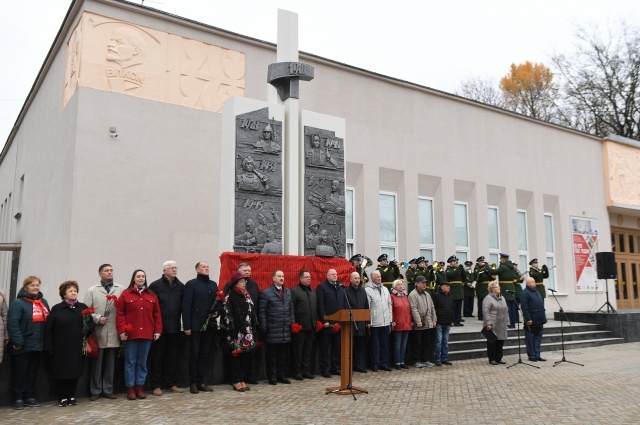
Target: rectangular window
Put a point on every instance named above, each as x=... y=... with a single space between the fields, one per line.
x=427 y=237
x=492 y=225
x=523 y=241
x=462 y=230
x=551 y=252
x=388 y=224
x=349 y=208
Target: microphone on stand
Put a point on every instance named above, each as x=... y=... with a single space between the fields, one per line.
x=355 y=324
x=552 y=290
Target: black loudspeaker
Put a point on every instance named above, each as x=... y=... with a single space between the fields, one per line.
x=606 y=265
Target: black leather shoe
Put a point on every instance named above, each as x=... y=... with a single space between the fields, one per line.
x=493 y=362
x=252 y=381
x=404 y=366
x=272 y=381
x=283 y=380
x=308 y=376
x=203 y=387
x=459 y=324
x=326 y=375
x=374 y=369
x=462 y=320
x=335 y=372
x=447 y=363
x=398 y=367
x=540 y=359
x=359 y=369
x=385 y=368
x=531 y=359
x=298 y=377
x=501 y=362
x=193 y=388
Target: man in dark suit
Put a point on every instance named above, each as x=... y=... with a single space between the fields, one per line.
x=305 y=308
x=357 y=297
x=331 y=298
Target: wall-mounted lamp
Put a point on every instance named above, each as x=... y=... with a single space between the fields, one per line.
x=113 y=132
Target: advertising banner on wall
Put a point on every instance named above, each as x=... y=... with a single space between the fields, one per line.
x=585 y=243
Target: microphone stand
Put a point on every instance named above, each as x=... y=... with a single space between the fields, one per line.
x=355 y=325
x=562 y=314
x=519 y=346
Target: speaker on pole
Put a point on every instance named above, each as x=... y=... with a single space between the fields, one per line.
x=606 y=265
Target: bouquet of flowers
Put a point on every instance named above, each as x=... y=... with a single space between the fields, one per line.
x=336 y=327
x=219 y=298
x=86 y=330
x=295 y=328
x=127 y=328
x=319 y=326
x=112 y=302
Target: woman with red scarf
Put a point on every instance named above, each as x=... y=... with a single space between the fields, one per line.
x=27 y=317
x=139 y=322
x=239 y=319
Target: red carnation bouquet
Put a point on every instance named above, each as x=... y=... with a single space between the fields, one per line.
x=336 y=328
x=296 y=327
x=86 y=320
x=220 y=297
x=319 y=326
x=127 y=328
x=112 y=302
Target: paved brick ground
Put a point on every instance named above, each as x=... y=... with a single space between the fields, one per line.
x=605 y=391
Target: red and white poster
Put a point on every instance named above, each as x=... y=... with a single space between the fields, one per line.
x=585 y=243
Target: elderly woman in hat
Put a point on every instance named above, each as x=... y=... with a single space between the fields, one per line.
x=495 y=315
x=240 y=319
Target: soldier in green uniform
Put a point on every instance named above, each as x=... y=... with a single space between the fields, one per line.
x=421 y=270
x=469 y=291
x=388 y=271
x=439 y=274
x=456 y=276
x=410 y=275
x=539 y=275
x=356 y=261
x=517 y=282
x=506 y=275
x=482 y=278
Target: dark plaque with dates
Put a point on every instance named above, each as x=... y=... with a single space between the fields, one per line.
x=324 y=200
x=258 y=211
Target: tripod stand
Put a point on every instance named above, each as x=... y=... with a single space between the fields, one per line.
x=562 y=314
x=610 y=308
x=519 y=350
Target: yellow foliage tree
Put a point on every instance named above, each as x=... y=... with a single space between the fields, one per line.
x=529 y=89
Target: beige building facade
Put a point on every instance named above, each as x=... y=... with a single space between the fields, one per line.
x=116 y=158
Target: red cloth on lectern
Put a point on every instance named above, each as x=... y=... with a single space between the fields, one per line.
x=263 y=266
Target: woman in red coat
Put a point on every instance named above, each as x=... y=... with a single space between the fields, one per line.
x=139 y=323
x=400 y=322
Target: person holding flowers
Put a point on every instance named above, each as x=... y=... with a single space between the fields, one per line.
x=240 y=319
x=103 y=297
x=139 y=322
x=64 y=335
x=277 y=321
x=199 y=322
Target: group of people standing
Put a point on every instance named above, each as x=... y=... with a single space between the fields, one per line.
x=144 y=318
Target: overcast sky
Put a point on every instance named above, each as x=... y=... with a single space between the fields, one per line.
x=432 y=43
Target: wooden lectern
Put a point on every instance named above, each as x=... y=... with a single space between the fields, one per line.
x=346 y=370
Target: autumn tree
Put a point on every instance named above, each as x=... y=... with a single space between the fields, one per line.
x=529 y=89
x=600 y=82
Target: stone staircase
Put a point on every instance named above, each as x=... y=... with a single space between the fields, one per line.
x=470 y=344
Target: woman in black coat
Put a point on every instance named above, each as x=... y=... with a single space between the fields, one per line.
x=64 y=341
x=239 y=319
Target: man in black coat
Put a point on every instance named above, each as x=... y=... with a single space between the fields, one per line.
x=331 y=298
x=253 y=359
x=443 y=304
x=357 y=297
x=276 y=316
x=198 y=297
x=532 y=305
x=165 y=351
x=305 y=308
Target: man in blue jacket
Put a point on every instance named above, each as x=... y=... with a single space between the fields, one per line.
x=532 y=306
x=198 y=298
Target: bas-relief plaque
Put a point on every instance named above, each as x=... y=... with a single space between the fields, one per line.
x=258 y=178
x=324 y=193
x=112 y=55
x=624 y=176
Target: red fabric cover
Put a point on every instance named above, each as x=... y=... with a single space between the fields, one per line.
x=263 y=266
